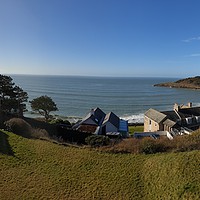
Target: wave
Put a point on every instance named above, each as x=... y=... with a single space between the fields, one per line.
x=138 y=118
x=196 y=104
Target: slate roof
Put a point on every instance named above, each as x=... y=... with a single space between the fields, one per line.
x=169 y=123
x=89 y=116
x=183 y=113
x=155 y=115
x=189 y=112
x=172 y=115
x=113 y=119
x=97 y=115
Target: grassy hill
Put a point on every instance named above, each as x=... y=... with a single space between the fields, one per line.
x=190 y=83
x=36 y=169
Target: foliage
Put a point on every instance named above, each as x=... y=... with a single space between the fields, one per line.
x=12 y=97
x=149 y=145
x=97 y=140
x=23 y=128
x=44 y=105
x=60 y=121
x=38 y=169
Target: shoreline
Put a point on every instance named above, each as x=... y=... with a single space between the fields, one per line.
x=133 y=120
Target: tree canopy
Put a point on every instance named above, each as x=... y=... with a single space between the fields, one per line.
x=44 y=105
x=12 y=97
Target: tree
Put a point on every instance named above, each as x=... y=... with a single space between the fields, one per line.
x=12 y=97
x=44 y=105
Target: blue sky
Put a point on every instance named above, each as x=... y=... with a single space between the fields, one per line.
x=157 y=38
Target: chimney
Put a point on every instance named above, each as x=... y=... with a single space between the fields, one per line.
x=189 y=105
x=176 y=107
x=92 y=111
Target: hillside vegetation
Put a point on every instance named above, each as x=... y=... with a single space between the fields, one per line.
x=37 y=169
x=190 y=83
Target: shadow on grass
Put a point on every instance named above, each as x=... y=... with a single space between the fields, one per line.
x=5 y=147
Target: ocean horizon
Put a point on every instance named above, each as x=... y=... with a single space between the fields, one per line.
x=128 y=97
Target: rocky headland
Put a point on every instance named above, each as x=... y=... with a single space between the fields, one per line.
x=190 y=83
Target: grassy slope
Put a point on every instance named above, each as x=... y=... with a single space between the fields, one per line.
x=35 y=169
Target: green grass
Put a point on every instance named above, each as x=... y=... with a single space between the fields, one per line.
x=133 y=129
x=36 y=169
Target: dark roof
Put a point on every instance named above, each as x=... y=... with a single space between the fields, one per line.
x=89 y=116
x=189 y=112
x=172 y=115
x=155 y=115
x=99 y=114
x=183 y=113
x=112 y=118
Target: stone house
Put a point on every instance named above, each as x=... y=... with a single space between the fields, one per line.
x=182 y=119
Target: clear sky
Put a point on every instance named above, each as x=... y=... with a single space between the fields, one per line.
x=157 y=38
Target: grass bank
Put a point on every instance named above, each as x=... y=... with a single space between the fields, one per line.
x=36 y=169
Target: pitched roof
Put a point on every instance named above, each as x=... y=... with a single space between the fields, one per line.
x=99 y=114
x=188 y=112
x=183 y=113
x=172 y=115
x=89 y=116
x=155 y=115
x=112 y=118
x=169 y=123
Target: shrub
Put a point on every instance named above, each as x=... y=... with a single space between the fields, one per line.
x=97 y=140
x=19 y=126
x=60 y=121
x=162 y=144
x=39 y=133
x=24 y=129
x=55 y=121
x=149 y=146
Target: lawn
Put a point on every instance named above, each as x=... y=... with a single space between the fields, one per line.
x=37 y=169
x=137 y=128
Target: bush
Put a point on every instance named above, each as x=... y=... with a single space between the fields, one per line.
x=149 y=146
x=19 y=126
x=60 y=121
x=97 y=140
x=24 y=129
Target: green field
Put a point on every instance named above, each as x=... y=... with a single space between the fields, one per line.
x=133 y=129
x=37 y=169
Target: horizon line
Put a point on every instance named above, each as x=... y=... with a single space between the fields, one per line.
x=95 y=76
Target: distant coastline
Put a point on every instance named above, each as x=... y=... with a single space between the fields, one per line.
x=188 y=83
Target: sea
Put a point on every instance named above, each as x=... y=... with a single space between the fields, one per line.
x=127 y=97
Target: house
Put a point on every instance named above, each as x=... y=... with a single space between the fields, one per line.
x=97 y=122
x=182 y=119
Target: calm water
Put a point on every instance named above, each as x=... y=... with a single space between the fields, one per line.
x=127 y=97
